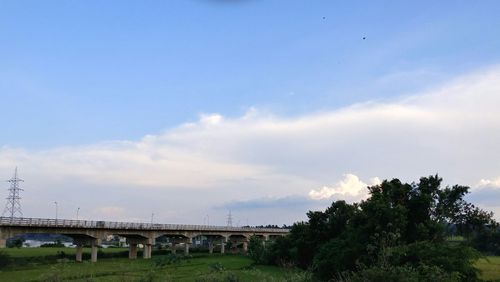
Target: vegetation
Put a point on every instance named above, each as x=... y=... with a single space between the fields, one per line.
x=398 y=234
x=200 y=267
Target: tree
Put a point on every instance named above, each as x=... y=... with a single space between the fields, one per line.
x=256 y=249
x=400 y=225
x=16 y=243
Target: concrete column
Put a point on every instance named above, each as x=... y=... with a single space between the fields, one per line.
x=3 y=243
x=210 y=247
x=145 y=251
x=187 y=245
x=79 y=252
x=93 y=254
x=223 y=245
x=245 y=246
x=173 y=248
x=132 y=251
x=150 y=250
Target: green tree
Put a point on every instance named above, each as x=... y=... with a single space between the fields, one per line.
x=256 y=249
x=398 y=225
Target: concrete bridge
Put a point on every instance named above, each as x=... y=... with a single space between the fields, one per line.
x=91 y=233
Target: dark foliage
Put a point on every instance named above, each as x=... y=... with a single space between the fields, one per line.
x=399 y=231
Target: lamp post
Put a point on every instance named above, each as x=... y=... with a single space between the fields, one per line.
x=77 y=212
x=152 y=215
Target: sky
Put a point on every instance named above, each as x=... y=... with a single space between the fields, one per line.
x=188 y=109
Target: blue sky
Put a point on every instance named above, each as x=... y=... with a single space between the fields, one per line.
x=257 y=103
x=86 y=71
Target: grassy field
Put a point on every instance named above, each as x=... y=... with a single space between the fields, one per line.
x=200 y=267
x=490 y=268
x=39 y=252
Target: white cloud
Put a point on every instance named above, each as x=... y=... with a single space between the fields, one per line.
x=453 y=130
x=350 y=187
x=488 y=183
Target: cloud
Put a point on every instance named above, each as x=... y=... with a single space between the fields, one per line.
x=289 y=202
x=453 y=130
x=487 y=183
x=350 y=187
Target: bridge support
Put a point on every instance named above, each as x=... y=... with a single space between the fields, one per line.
x=82 y=240
x=210 y=246
x=3 y=243
x=146 y=254
x=173 y=247
x=187 y=244
x=79 y=252
x=245 y=246
x=134 y=240
x=223 y=245
x=93 y=251
x=132 y=251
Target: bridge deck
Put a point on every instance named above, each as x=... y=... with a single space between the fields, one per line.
x=70 y=223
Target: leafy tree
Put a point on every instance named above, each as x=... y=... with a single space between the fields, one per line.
x=15 y=243
x=401 y=227
x=256 y=249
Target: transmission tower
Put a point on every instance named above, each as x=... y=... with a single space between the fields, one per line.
x=13 y=206
x=229 y=219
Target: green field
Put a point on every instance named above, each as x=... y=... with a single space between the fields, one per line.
x=490 y=268
x=200 y=267
x=38 y=252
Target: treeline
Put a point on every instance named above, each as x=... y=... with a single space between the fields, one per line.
x=398 y=234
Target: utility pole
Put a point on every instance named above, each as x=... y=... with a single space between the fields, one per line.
x=13 y=206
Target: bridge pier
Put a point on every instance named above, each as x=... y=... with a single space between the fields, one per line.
x=173 y=247
x=132 y=251
x=146 y=254
x=79 y=252
x=82 y=240
x=3 y=243
x=223 y=245
x=133 y=240
x=245 y=246
x=93 y=251
x=210 y=246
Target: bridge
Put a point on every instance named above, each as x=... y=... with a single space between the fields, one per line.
x=91 y=233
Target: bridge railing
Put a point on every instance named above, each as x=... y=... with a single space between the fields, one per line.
x=70 y=223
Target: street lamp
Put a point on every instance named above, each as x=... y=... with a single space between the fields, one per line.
x=152 y=215
x=77 y=212
x=56 y=210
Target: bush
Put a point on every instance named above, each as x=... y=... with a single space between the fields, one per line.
x=399 y=274
x=5 y=259
x=256 y=250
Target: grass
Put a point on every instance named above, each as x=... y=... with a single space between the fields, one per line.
x=200 y=267
x=41 y=252
x=490 y=268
